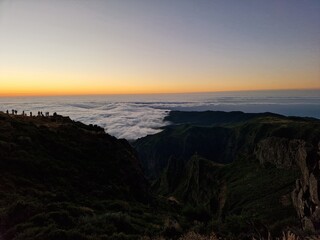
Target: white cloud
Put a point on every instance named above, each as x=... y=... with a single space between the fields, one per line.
x=132 y=117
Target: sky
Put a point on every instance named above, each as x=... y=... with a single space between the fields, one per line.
x=162 y=46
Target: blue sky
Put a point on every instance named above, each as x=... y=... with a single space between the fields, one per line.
x=143 y=46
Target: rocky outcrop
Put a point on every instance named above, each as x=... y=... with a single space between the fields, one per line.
x=306 y=193
x=262 y=156
x=291 y=153
x=282 y=152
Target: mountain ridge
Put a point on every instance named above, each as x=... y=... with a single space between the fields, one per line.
x=61 y=179
x=244 y=178
x=269 y=144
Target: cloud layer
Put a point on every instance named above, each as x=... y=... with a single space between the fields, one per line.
x=132 y=117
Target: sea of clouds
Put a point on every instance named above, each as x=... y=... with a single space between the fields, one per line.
x=135 y=116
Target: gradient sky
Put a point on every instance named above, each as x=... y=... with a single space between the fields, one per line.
x=156 y=46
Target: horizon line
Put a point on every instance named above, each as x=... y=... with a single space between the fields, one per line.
x=152 y=93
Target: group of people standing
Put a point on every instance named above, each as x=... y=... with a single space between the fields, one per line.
x=40 y=113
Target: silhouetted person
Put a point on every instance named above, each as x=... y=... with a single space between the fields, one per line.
x=23 y=113
x=54 y=114
x=16 y=112
x=41 y=114
x=12 y=112
x=38 y=114
x=7 y=111
x=30 y=114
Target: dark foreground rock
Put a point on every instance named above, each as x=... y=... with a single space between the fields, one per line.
x=241 y=176
x=61 y=179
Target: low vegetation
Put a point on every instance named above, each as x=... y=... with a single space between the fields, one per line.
x=62 y=180
x=211 y=164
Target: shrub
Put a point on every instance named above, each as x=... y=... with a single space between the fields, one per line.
x=121 y=221
x=18 y=212
x=61 y=218
x=66 y=235
x=196 y=236
x=198 y=213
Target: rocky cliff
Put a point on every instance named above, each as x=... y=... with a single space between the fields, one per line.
x=282 y=152
x=182 y=142
x=289 y=153
x=259 y=160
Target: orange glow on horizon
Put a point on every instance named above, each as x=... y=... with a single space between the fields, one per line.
x=110 y=47
x=48 y=84
x=134 y=91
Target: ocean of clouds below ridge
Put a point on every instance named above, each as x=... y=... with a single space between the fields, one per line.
x=122 y=120
x=131 y=119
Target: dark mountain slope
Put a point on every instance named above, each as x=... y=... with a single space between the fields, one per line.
x=182 y=142
x=260 y=159
x=218 y=142
x=208 y=118
x=61 y=179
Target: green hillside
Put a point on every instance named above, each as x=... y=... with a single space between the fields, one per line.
x=61 y=179
x=240 y=176
x=242 y=173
